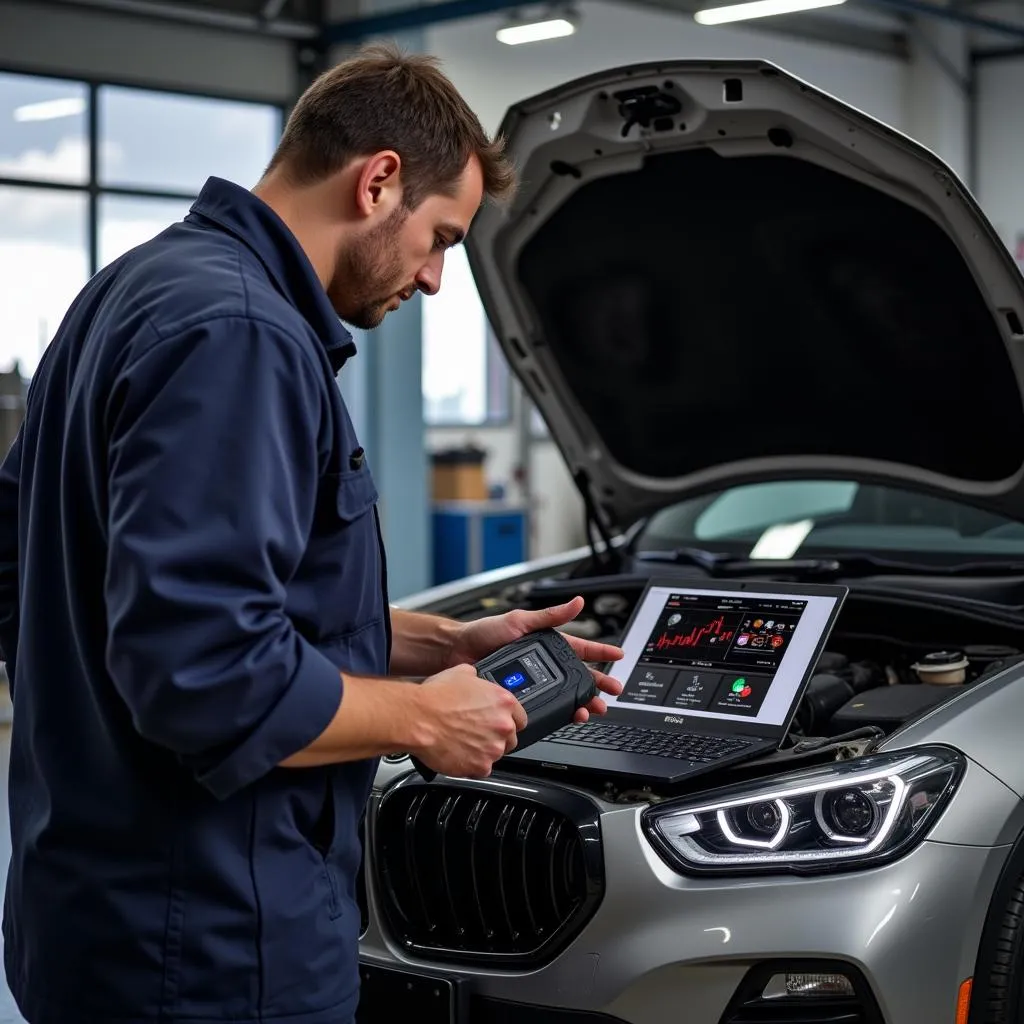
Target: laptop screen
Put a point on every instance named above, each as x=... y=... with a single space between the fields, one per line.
x=723 y=654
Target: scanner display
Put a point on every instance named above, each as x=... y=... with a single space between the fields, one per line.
x=513 y=676
x=521 y=675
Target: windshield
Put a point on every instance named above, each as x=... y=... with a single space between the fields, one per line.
x=788 y=519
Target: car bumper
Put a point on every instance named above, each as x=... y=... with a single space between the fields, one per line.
x=662 y=947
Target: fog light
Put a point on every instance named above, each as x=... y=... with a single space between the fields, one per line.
x=782 y=986
x=802 y=992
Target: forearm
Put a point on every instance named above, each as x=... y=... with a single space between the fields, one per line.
x=421 y=644
x=375 y=717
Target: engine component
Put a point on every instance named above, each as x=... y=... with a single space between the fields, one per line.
x=832 y=662
x=861 y=675
x=942 y=668
x=866 y=675
x=589 y=629
x=826 y=694
x=611 y=604
x=988 y=658
x=888 y=707
x=836 y=680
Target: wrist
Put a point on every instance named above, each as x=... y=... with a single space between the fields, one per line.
x=420 y=728
x=423 y=644
x=449 y=636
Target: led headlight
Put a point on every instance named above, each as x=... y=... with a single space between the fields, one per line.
x=842 y=815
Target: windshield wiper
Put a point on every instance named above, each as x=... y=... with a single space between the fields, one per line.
x=829 y=567
x=719 y=564
x=708 y=560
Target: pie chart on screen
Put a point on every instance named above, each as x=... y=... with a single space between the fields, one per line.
x=741 y=688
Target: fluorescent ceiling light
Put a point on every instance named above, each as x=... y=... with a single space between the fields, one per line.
x=759 y=9
x=48 y=110
x=535 y=31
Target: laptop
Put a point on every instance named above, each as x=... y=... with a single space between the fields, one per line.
x=713 y=674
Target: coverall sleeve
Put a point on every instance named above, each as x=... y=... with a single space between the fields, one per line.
x=213 y=470
x=10 y=472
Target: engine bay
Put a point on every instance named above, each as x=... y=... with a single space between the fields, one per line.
x=894 y=654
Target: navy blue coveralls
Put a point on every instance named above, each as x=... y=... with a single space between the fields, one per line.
x=189 y=553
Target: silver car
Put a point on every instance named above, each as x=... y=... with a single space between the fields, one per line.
x=772 y=338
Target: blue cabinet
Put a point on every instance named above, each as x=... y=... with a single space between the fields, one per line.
x=474 y=536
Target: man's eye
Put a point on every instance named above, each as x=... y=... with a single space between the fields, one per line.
x=440 y=243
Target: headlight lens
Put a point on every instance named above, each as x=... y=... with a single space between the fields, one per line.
x=843 y=815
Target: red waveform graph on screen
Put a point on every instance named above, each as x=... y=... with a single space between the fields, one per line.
x=696 y=636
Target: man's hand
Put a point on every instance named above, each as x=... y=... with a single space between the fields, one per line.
x=475 y=640
x=465 y=723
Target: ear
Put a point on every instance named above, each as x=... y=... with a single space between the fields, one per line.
x=378 y=187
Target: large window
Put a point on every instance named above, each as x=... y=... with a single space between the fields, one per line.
x=169 y=143
x=88 y=171
x=465 y=375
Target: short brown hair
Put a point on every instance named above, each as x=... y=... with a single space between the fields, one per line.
x=382 y=98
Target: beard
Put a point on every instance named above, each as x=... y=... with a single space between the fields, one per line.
x=369 y=275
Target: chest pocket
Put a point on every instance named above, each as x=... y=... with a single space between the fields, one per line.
x=341 y=586
x=352 y=494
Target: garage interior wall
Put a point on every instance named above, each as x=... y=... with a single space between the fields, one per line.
x=102 y=45
x=919 y=97
x=999 y=124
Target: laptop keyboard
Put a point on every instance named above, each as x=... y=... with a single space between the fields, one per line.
x=632 y=739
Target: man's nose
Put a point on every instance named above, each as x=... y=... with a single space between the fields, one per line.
x=428 y=280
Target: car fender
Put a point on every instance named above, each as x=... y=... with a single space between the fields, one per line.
x=983 y=721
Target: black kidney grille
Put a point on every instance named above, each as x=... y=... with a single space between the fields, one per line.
x=467 y=873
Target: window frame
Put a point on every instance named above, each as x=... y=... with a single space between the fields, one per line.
x=497 y=378
x=91 y=187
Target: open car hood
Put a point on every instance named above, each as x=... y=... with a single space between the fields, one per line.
x=714 y=273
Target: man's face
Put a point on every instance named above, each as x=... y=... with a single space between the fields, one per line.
x=402 y=253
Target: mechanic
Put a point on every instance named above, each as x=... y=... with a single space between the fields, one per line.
x=193 y=607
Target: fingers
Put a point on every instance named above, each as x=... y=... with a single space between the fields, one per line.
x=564 y=612
x=591 y=650
x=523 y=622
x=514 y=708
x=518 y=715
x=557 y=614
x=586 y=650
x=596 y=707
x=606 y=684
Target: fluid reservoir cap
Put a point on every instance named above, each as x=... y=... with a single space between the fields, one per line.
x=942 y=667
